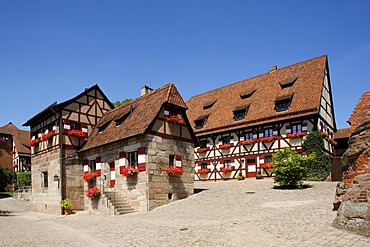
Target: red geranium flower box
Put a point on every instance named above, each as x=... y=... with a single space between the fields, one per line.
x=174 y=171
x=77 y=133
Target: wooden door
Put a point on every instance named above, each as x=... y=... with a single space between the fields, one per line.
x=251 y=168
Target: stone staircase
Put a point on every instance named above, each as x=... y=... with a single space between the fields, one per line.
x=118 y=203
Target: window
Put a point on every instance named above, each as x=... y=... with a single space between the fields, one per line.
x=171 y=160
x=227 y=163
x=240 y=114
x=75 y=126
x=226 y=139
x=249 y=136
x=200 y=122
x=209 y=105
x=120 y=120
x=45 y=179
x=247 y=94
x=296 y=128
x=103 y=127
x=92 y=165
x=268 y=132
x=268 y=159
x=132 y=158
x=282 y=105
x=287 y=83
x=203 y=166
x=203 y=143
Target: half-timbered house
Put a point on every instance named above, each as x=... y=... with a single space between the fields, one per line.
x=57 y=133
x=140 y=155
x=240 y=126
x=19 y=156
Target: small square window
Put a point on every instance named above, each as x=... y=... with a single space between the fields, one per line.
x=203 y=143
x=282 y=105
x=92 y=165
x=171 y=160
x=75 y=126
x=268 y=132
x=249 y=136
x=227 y=163
x=203 y=165
x=240 y=114
x=132 y=158
x=296 y=128
x=226 y=139
x=45 y=179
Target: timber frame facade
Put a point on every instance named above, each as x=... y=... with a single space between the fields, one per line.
x=241 y=125
x=57 y=133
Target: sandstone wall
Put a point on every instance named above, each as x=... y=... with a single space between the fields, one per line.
x=352 y=195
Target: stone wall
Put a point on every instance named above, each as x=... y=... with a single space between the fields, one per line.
x=73 y=172
x=46 y=199
x=353 y=193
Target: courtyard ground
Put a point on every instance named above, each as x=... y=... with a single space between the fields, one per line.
x=227 y=213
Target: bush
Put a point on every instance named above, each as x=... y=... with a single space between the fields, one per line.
x=319 y=170
x=24 y=179
x=290 y=168
x=7 y=176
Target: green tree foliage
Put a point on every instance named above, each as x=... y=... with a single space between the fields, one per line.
x=290 y=168
x=119 y=103
x=7 y=176
x=319 y=170
x=24 y=179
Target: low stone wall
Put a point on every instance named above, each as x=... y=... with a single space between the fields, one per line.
x=352 y=195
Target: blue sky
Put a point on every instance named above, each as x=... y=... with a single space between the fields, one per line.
x=52 y=50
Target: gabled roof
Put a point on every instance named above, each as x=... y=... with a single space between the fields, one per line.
x=143 y=112
x=55 y=107
x=308 y=79
x=21 y=138
x=343 y=133
x=361 y=113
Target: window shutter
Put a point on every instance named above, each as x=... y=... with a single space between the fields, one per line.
x=221 y=161
x=98 y=166
x=141 y=159
x=178 y=161
x=122 y=155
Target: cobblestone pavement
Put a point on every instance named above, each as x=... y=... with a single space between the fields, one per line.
x=230 y=213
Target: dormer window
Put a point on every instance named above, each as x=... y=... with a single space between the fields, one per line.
x=240 y=112
x=282 y=103
x=200 y=122
x=247 y=94
x=209 y=105
x=120 y=120
x=287 y=83
x=103 y=127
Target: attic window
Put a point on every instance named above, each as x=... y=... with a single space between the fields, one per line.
x=200 y=122
x=283 y=102
x=209 y=105
x=120 y=120
x=239 y=113
x=287 y=83
x=103 y=127
x=247 y=94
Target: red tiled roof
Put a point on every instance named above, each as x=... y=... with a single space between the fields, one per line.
x=361 y=113
x=342 y=133
x=143 y=111
x=308 y=79
x=21 y=138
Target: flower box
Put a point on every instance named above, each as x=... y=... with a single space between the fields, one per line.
x=227 y=169
x=296 y=135
x=27 y=165
x=128 y=171
x=324 y=134
x=269 y=139
x=14 y=166
x=174 y=171
x=226 y=146
x=204 y=171
x=332 y=141
x=48 y=136
x=266 y=166
x=12 y=152
x=248 y=142
x=92 y=192
x=175 y=119
x=203 y=150
x=77 y=133
x=34 y=142
x=89 y=175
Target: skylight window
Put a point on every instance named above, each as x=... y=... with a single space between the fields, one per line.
x=209 y=105
x=287 y=83
x=247 y=94
x=200 y=122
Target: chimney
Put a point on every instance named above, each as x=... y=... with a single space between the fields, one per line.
x=145 y=90
x=273 y=68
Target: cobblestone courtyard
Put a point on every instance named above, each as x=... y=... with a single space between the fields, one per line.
x=230 y=213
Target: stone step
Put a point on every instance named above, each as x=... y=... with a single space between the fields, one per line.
x=119 y=203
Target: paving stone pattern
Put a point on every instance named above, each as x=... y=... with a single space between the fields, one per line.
x=228 y=213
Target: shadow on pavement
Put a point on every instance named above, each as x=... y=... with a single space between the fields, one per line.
x=5 y=213
x=197 y=190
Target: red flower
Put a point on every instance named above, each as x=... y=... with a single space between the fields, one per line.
x=266 y=166
x=174 y=171
x=89 y=175
x=248 y=142
x=202 y=150
x=129 y=171
x=296 y=135
x=92 y=192
x=204 y=171
x=269 y=139
x=227 y=169
x=226 y=146
x=48 y=136
x=175 y=119
x=34 y=142
x=12 y=152
x=77 y=133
